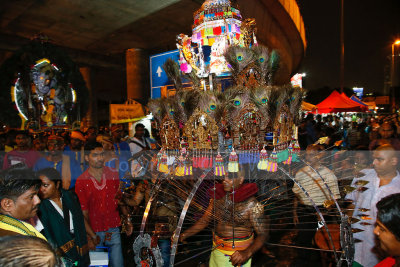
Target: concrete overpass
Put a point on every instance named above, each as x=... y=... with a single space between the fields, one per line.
x=97 y=35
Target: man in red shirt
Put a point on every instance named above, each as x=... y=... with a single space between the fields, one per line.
x=98 y=192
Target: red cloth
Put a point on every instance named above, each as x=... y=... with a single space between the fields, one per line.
x=388 y=262
x=102 y=205
x=217 y=31
x=29 y=158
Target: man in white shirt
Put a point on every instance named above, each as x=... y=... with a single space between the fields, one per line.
x=381 y=181
x=139 y=142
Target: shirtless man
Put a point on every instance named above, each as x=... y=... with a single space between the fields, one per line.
x=238 y=215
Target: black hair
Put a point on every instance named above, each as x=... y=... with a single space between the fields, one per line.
x=389 y=213
x=91 y=146
x=16 y=180
x=28 y=251
x=52 y=174
x=139 y=125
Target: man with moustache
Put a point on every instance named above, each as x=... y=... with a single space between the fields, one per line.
x=377 y=183
x=236 y=211
x=19 y=202
x=98 y=192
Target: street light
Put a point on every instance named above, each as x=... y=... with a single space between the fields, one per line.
x=394 y=74
x=393 y=69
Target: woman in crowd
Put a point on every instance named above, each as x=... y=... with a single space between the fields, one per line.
x=387 y=229
x=61 y=220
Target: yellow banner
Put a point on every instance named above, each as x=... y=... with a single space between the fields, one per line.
x=122 y=113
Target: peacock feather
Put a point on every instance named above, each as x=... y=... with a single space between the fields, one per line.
x=273 y=65
x=172 y=70
x=211 y=102
x=236 y=98
x=296 y=99
x=262 y=62
x=240 y=59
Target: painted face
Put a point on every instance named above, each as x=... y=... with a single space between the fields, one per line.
x=48 y=189
x=96 y=158
x=383 y=162
x=387 y=239
x=232 y=183
x=26 y=205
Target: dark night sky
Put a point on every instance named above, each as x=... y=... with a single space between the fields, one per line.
x=370 y=28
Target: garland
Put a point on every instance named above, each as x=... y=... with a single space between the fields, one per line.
x=19 y=67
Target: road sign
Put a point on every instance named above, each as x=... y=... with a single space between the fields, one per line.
x=158 y=78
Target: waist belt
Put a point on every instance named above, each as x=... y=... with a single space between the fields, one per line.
x=225 y=245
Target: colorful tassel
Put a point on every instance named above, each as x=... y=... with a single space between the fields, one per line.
x=163 y=166
x=273 y=162
x=263 y=163
x=195 y=159
x=296 y=151
x=219 y=166
x=233 y=165
x=289 y=159
x=180 y=169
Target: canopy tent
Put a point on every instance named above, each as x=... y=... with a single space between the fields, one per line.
x=356 y=99
x=308 y=106
x=337 y=102
x=370 y=105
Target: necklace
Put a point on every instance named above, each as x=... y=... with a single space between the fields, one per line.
x=96 y=185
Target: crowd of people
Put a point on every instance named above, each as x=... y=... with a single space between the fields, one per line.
x=64 y=188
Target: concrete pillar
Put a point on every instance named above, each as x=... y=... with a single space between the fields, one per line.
x=90 y=118
x=134 y=77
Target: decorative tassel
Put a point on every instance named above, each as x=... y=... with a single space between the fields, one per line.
x=195 y=159
x=289 y=159
x=219 y=166
x=273 y=162
x=233 y=165
x=163 y=166
x=180 y=169
x=296 y=151
x=263 y=163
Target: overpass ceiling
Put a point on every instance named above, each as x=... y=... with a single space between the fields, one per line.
x=109 y=27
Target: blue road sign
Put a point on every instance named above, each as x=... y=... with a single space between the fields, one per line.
x=158 y=78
